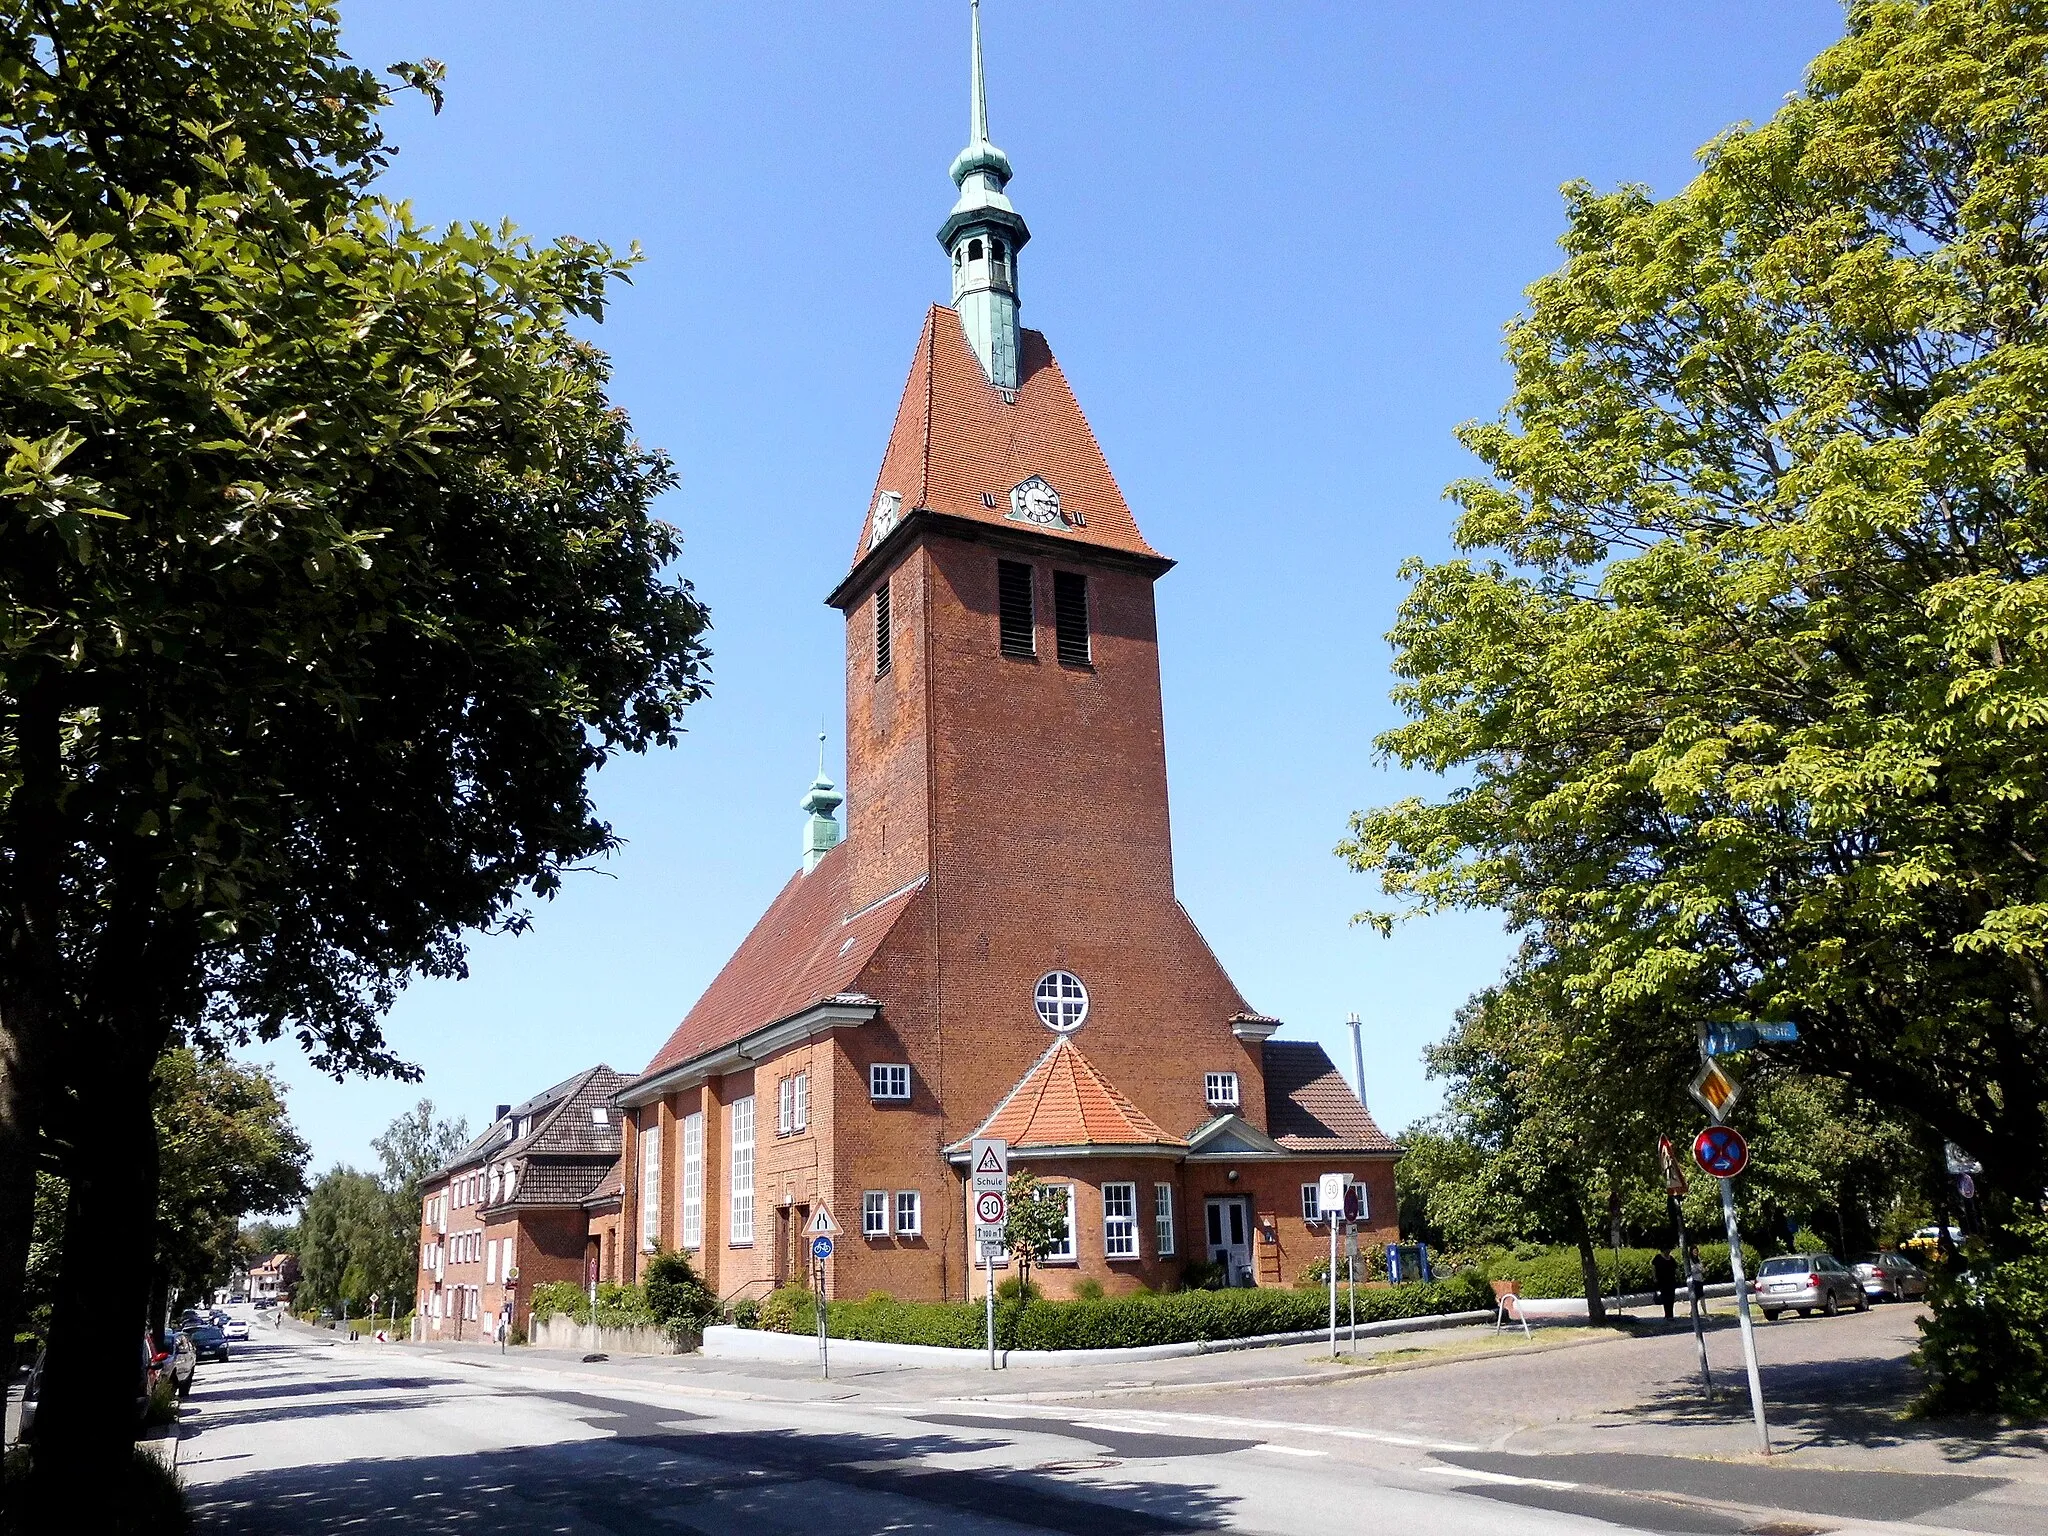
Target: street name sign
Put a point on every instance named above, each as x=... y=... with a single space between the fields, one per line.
x=1721 y=1151
x=1724 y=1039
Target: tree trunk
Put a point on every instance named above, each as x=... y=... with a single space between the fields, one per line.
x=88 y=1421
x=21 y=1047
x=1589 y=1268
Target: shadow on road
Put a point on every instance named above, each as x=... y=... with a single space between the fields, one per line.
x=655 y=1470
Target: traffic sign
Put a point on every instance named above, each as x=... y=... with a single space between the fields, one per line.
x=1721 y=1150
x=821 y=1224
x=1716 y=1090
x=821 y=1247
x=1672 y=1169
x=1723 y=1039
x=990 y=1208
x=989 y=1160
x=1330 y=1196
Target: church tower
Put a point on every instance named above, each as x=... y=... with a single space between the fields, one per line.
x=983 y=235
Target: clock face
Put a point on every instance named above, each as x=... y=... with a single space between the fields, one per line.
x=1036 y=502
x=888 y=508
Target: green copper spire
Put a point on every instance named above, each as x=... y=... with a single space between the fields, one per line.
x=821 y=831
x=983 y=234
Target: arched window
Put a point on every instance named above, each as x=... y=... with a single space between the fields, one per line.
x=974 y=250
x=995 y=250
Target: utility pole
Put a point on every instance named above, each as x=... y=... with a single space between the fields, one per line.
x=1357 y=1060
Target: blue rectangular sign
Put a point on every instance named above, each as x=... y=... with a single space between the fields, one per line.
x=1725 y=1039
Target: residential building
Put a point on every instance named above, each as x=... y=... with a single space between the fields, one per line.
x=522 y=1205
x=995 y=947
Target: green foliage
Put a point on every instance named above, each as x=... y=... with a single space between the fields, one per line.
x=355 y=1241
x=1555 y=1272
x=1088 y=1290
x=618 y=1306
x=1806 y=1240
x=1740 y=670
x=1985 y=1348
x=791 y=1309
x=143 y=1498
x=675 y=1296
x=1012 y=1287
x=1036 y=1223
x=415 y=1145
x=745 y=1313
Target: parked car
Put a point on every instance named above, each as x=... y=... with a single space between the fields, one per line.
x=261 y=1303
x=237 y=1331
x=208 y=1342
x=1890 y=1277
x=178 y=1356
x=31 y=1399
x=238 y=1300
x=1806 y=1283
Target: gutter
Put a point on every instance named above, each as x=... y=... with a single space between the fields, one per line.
x=846 y=1010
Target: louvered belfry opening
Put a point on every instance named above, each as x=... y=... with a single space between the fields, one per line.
x=882 y=629
x=1070 y=617
x=1018 y=616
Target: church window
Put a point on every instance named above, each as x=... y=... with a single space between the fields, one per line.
x=882 y=629
x=693 y=1180
x=650 y=1188
x=874 y=1213
x=802 y=1106
x=785 y=1099
x=1220 y=1088
x=1120 y=1221
x=1162 y=1219
x=1014 y=605
x=1070 y=616
x=889 y=1080
x=974 y=250
x=743 y=1170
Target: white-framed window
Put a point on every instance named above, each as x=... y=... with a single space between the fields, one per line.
x=693 y=1181
x=1220 y=1089
x=1311 y=1202
x=801 y=1111
x=909 y=1213
x=889 y=1080
x=1063 y=1251
x=599 y=1115
x=1120 y=1221
x=785 y=1106
x=491 y=1260
x=874 y=1213
x=511 y=1179
x=1162 y=1220
x=743 y=1169
x=650 y=1188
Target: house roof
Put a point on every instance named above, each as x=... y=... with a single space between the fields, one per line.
x=1309 y=1106
x=562 y=1124
x=806 y=948
x=611 y=1187
x=957 y=440
x=1063 y=1101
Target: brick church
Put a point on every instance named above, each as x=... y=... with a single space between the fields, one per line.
x=995 y=946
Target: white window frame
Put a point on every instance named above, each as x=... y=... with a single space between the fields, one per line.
x=1070 y=1252
x=692 y=1237
x=650 y=1187
x=874 y=1213
x=491 y=1262
x=1219 y=1090
x=1120 y=1220
x=800 y=1119
x=885 y=1078
x=910 y=1215
x=741 y=1224
x=1162 y=1221
x=1312 y=1203
x=785 y=1101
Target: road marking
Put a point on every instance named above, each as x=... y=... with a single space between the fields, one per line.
x=1126 y=1418
x=1288 y=1450
x=1496 y=1477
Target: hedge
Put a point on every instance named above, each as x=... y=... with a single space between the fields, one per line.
x=1555 y=1272
x=1117 y=1322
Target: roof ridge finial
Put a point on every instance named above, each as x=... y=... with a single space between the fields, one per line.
x=977 y=112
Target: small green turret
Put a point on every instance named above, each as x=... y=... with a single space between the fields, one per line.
x=820 y=802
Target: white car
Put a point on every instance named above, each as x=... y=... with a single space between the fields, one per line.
x=237 y=1328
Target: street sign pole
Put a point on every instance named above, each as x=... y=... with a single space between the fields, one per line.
x=988 y=1184
x=1756 y=1384
x=1715 y=1089
x=1330 y=1197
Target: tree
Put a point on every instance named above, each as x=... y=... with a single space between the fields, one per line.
x=351 y=1243
x=1036 y=1224
x=228 y=1151
x=1743 y=672
x=413 y=1146
x=330 y=576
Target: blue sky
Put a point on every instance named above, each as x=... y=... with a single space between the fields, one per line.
x=1273 y=246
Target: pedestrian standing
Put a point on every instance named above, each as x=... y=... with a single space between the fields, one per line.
x=1664 y=1271
x=1696 y=1275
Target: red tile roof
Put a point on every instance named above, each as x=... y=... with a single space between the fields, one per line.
x=1064 y=1102
x=806 y=947
x=957 y=439
x=1309 y=1106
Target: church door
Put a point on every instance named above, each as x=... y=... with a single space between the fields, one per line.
x=1230 y=1236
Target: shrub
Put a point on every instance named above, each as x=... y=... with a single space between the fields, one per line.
x=1011 y=1288
x=1806 y=1240
x=1088 y=1290
x=557 y=1296
x=789 y=1310
x=1985 y=1347
x=675 y=1296
x=745 y=1313
x=618 y=1306
x=1555 y=1273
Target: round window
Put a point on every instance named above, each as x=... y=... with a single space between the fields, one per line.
x=1062 y=1002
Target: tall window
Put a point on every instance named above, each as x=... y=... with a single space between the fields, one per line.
x=1019 y=625
x=743 y=1169
x=1070 y=617
x=1120 y=1221
x=874 y=1213
x=491 y=1260
x=1063 y=1250
x=882 y=629
x=1162 y=1219
x=801 y=1102
x=785 y=1099
x=1311 y=1202
x=693 y=1181
x=909 y=1219
x=650 y=1187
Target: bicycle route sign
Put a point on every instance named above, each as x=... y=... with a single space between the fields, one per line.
x=821 y=1248
x=1721 y=1150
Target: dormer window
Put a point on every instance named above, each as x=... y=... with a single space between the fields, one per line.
x=1220 y=1089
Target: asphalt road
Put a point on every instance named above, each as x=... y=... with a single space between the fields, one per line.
x=303 y=1435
